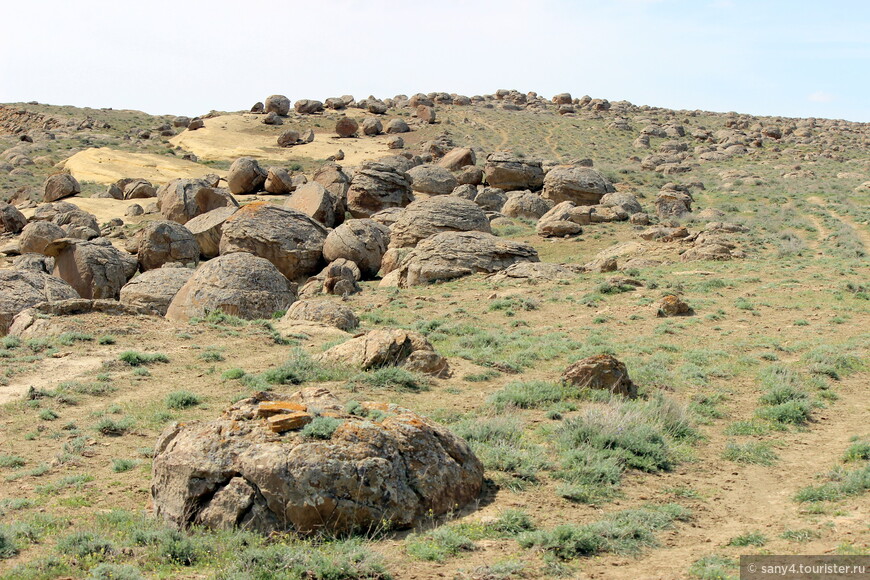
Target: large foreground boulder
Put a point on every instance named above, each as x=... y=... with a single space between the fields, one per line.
x=155 y=289
x=60 y=185
x=245 y=176
x=450 y=255
x=427 y=217
x=164 y=241
x=289 y=239
x=254 y=469
x=362 y=241
x=239 y=284
x=12 y=221
x=37 y=235
x=388 y=347
x=96 y=269
x=600 y=372
x=377 y=186
x=181 y=200
x=21 y=289
x=579 y=185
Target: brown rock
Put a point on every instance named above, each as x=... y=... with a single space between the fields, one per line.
x=672 y=306
x=181 y=200
x=600 y=372
x=458 y=158
x=323 y=311
x=428 y=217
x=37 y=235
x=21 y=289
x=361 y=241
x=279 y=181
x=315 y=201
x=207 y=230
x=12 y=221
x=162 y=242
x=346 y=127
x=288 y=421
x=506 y=171
x=579 y=185
x=95 y=269
x=377 y=186
x=278 y=104
x=60 y=185
x=245 y=176
x=155 y=289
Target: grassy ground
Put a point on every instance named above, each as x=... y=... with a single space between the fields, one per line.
x=750 y=435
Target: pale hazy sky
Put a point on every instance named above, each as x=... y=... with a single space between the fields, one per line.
x=777 y=57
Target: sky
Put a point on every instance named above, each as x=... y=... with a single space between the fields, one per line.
x=794 y=58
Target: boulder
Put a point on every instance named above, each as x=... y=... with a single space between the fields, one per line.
x=372 y=126
x=458 y=158
x=506 y=171
x=395 y=142
x=339 y=277
x=21 y=289
x=254 y=470
x=388 y=347
x=291 y=240
x=377 y=186
x=432 y=179
x=278 y=181
x=37 y=235
x=346 y=127
x=426 y=114
x=324 y=311
x=541 y=271
x=564 y=219
x=450 y=255
x=672 y=305
x=308 y=106
x=12 y=221
x=580 y=185
x=397 y=126
x=207 y=229
x=336 y=181
x=600 y=372
x=490 y=198
x=526 y=205
x=288 y=138
x=35 y=262
x=156 y=288
x=245 y=176
x=673 y=204
x=162 y=242
x=138 y=189
x=78 y=223
x=626 y=201
x=315 y=201
x=239 y=284
x=425 y=218
x=95 y=268
x=471 y=175
x=60 y=185
x=362 y=241
x=278 y=104
x=181 y=200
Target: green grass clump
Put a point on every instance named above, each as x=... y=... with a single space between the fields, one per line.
x=858 y=451
x=438 y=545
x=122 y=465
x=833 y=362
x=748 y=539
x=84 y=544
x=232 y=374
x=784 y=414
x=759 y=453
x=179 y=400
x=109 y=426
x=300 y=368
x=625 y=532
x=107 y=339
x=321 y=428
x=12 y=461
x=106 y=571
x=528 y=395
x=135 y=359
x=841 y=483
x=8 y=545
x=713 y=567
x=801 y=536
x=339 y=560
x=68 y=338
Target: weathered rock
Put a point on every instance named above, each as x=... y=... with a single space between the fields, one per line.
x=361 y=241
x=95 y=268
x=21 y=289
x=346 y=127
x=579 y=185
x=288 y=138
x=671 y=203
x=536 y=271
x=162 y=242
x=239 y=284
x=336 y=181
x=372 y=126
x=563 y=219
x=432 y=179
x=377 y=186
x=278 y=104
x=37 y=235
x=78 y=223
x=181 y=200
x=471 y=175
x=156 y=288
x=60 y=185
x=35 y=262
x=291 y=240
x=711 y=251
x=236 y=472
x=339 y=278
x=323 y=311
x=506 y=171
x=526 y=205
x=50 y=211
x=458 y=158
x=395 y=142
x=397 y=126
x=308 y=106
x=245 y=176
x=426 y=114
x=134 y=210
x=490 y=198
x=315 y=201
x=600 y=372
x=12 y=221
x=207 y=229
x=272 y=118
x=624 y=200
x=138 y=189
x=384 y=347
x=672 y=305
x=278 y=181
x=425 y=218
x=450 y=255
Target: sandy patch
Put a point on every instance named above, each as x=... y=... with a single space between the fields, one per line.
x=107 y=166
x=229 y=137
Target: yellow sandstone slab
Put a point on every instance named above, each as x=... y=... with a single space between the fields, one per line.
x=279 y=407
x=228 y=137
x=288 y=421
x=104 y=165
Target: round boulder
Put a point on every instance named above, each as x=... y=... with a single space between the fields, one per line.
x=245 y=176
x=362 y=241
x=600 y=372
x=37 y=235
x=324 y=311
x=12 y=221
x=162 y=242
x=377 y=186
x=21 y=289
x=181 y=200
x=432 y=179
x=278 y=104
x=208 y=228
x=346 y=127
x=291 y=240
x=428 y=217
x=155 y=289
x=579 y=185
x=239 y=284
x=95 y=269
x=526 y=205
x=60 y=185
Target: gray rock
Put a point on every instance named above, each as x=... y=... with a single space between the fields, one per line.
x=21 y=289
x=162 y=242
x=362 y=241
x=155 y=289
x=425 y=218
